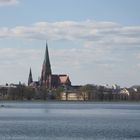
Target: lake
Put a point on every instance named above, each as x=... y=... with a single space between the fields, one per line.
x=69 y=121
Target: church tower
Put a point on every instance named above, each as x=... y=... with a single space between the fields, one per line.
x=46 y=71
x=30 y=79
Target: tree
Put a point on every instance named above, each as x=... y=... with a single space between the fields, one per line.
x=28 y=93
x=57 y=92
x=88 y=92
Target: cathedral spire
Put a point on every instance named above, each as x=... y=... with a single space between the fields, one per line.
x=30 y=78
x=46 y=70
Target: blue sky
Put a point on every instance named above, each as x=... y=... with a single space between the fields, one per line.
x=27 y=12
x=94 y=41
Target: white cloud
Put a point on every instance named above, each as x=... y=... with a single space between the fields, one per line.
x=15 y=64
x=84 y=64
x=105 y=50
x=8 y=2
x=87 y=31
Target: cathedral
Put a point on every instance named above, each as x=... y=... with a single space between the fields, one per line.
x=48 y=79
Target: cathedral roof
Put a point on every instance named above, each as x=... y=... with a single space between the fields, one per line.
x=64 y=79
x=46 y=68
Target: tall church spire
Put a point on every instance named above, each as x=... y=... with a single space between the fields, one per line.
x=46 y=70
x=30 y=78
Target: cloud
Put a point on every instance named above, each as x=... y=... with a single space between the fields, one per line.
x=8 y=2
x=84 y=64
x=105 y=50
x=87 y=31
x=14 y=63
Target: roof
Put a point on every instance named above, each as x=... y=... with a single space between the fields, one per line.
x=64 y=79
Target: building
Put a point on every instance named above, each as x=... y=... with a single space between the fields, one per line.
x=48 y=79
x=30 y=78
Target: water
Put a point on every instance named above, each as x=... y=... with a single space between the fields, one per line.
x=69 y=121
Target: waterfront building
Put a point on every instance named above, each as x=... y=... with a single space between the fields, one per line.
x=48 y=79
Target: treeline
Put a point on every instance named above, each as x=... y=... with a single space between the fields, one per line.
x=17 y=93
x=101 y=93
x=22 y=92
x=86 y=93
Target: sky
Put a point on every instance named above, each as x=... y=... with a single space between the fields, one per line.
x=93 y=41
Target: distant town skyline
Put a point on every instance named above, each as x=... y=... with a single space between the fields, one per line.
x=93 y=41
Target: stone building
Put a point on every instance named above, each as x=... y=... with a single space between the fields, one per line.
x=48 y=79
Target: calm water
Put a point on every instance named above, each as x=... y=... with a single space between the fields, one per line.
x=69 y=121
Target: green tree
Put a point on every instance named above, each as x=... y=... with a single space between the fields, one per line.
x=28 y=93
x=57 y=92
x=88 y=92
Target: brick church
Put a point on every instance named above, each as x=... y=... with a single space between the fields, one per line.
x=48 y=79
